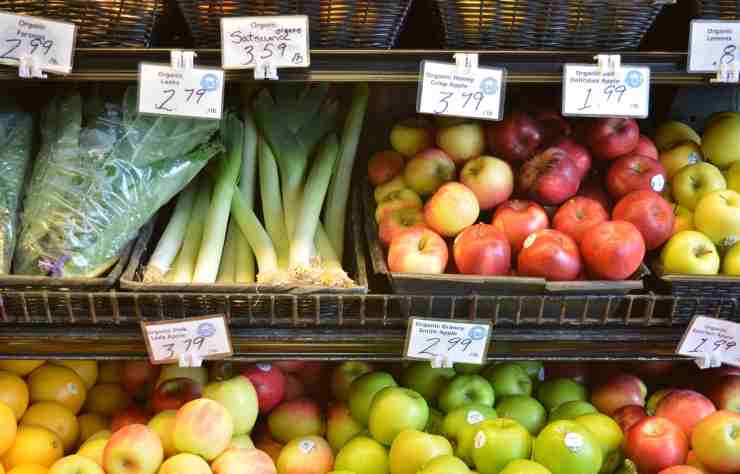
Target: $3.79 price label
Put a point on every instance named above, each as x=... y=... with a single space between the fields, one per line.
x=591 y=92
x=707 y=335
x=192 y=92
x=454 y=341
x=207 y=337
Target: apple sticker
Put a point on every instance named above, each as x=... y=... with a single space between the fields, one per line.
x=264 y=367
x=474 y=417
x=306 y=446
x=574 y=442
x=72 y=388
x=657 y=183
x=480 y=440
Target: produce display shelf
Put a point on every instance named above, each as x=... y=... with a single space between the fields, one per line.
x=523 y=66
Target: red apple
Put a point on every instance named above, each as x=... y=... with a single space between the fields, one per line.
x=633 y=173
x=132 y=415
x=517 y=219
x=294 y=388
x=290 y=366
x=395 y=222
x=619 y=391
x=551 y=177
x=683 y=469
x=516 y=137
x=628 y=416
x=138 y=378
x=418 y=251
x=174 y=393
x=576 y=152
x=554 y=125
x=383 y=166
x=686 y=408
x=452 y=208
x=654 y=444
x=593 y=188
x=490 y=179
x=482 y=249
x=609 y=138
x=613 y=250
x=716 y=443
x=646 y=147
x=650 y=213
x=269 y=382
x=549 y=254
x=725 y=392
x=578 y=215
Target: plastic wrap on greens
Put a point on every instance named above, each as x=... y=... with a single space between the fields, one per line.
x=102 y=173
x=16 y=130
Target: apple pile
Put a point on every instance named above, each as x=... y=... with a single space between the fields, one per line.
x=541 y=192
x=704 y=184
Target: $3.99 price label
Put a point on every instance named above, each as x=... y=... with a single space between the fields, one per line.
x=192 y=92
x=207 y=337
x=280 y=40
x=591 y=92
x=49 y=42
x=446 y=90
x=451 y=340
x=707 y=335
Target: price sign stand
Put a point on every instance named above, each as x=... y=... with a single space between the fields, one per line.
x=187 y=341
x=711 y=342
x=713 y=48
x=35 y=45
x=181 y=90
x=445 y=342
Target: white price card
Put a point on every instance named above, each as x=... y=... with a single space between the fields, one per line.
x=447 y=341
x=50 y=44
x=192 y=92
x=713 y=44
x=282 y=41
x=446 y=89
x=203 y=337
x=589 y=91
x=711 y=337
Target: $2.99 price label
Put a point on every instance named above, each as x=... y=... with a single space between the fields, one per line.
x=194 y=92
x=590 y=92
x=455 y=341
x=50 y=42
x=279 y=40
x=707 y=335
x=208 y=337
x=445 y=90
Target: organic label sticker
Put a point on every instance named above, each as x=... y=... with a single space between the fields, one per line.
x=306 y=446
x=480 y=440
x=574 y=442
x=264 y=367
x=474 y=417
x=72 y=388
x=693 y=158
x=657 y=183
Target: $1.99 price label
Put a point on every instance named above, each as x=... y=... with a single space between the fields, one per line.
x=446 y=90
x=49 y=42
x=591 y=92
x=710 y=335
x=455 y=341
x=194 y=92
x=207 y=337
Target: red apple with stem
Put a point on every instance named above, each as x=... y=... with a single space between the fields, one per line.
x=725 y=392
x=609 y=138
x=482 y=249
x=618 y=391
x=174 y=393
x=549 y=254
x=686 y=408
x=576 y=152
x=650 y=213
x=269 y=382
x=550 y=177
x=646 y=147
x=613 y=250
x=628 y=416
x=395 y=222
x=516 y=138
x=633 y=173
x=418 y=251
x=517 y=219
x=655 y=444
x=490 y=179
x=577 y=215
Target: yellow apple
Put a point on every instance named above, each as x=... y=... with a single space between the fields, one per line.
x=412 y=135
x=732 y=175
x=102 y=434
x=682 y=154
x=203 y=427
x=718 y=217
x=75 y=464
x=134 y=449
x=241 y=441
x=411 y=449
x=93 y=450
x=185 y=463
x=684 y=219
x=693 y=182
x=400 y=199
x=395 y=184
x=243 y=461
x=721 y=140
x=462 y=141
x=670 y=133
x=690 y=253
x=731 y=261
x=162 y=424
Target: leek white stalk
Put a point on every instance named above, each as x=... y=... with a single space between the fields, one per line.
x=169 y=244
x=244 y=268
x=332 y=274
x=182 y=270
x=227 y=267
x=258 y=239
x=272 y=205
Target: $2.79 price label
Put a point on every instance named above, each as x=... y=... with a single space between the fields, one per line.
x=591 y=92
x=208 y=337
x=193 y=92
x=448 y=339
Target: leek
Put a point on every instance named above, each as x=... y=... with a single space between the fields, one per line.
x=182 y=270
x=258 y=239
x=226 y=270
x=272 y=206
x=244 y=270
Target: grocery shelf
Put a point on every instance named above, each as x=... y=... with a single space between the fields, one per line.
x=524 y=67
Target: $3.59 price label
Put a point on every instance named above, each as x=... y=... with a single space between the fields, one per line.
x=208 y=337
x=279 y=40
x=51 y=43
x=455 y=341
x=194 y=92
x=590 y=92
x=445 y=90
x=713 y=44
x=710 y=335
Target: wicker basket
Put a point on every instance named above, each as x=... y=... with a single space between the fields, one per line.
x=602 y=25
x=333 y=23
x=719 y=9
x=100 y=23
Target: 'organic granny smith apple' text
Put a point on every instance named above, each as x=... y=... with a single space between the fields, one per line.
x=446 y=341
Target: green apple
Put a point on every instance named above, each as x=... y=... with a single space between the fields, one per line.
x=721 y=140
x=498 y=442
x=652 y=404
x=682 y=154
x=341 y=426
x=731 y=261
x=239 y=398
x=670 y=133
x=571 y=410
x=447 y=464
x=435 y=421
x=718 y=217
x=363 y=455
x=508 y=378
x=412 y=449
x=466 y=389
x=690 y=253
x=609 y=436
x=426 y=380
x=470 y=414
x=463 y=368
x=691 y=183
x=524 y=409
x=344 y=374
x=732 y=175
x=551 y=393
x=567 y=447
x=524 y=466
x=534 y=368
x=395 y=409
x=362 y=391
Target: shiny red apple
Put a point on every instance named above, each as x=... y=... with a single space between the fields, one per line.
x=628 y=416
x=576 y=152
x=612 y=250
x=132 y=415
x=609 y=138
x=516 y=138
x=517 y=219
x=650 y=213
x=549 y=254
x=577 y=215
x=174 y=393
x=383 y=166
x=633 y=173
x=269 y=382
x=686 y=408
x=619 y=391
x=655 y=444
x=646 y=147
x=554 y=125
x=138 y=378
x=551 y=177
x=725 y=392
x=482 y=249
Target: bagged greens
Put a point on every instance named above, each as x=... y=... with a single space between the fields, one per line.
x=103 y=171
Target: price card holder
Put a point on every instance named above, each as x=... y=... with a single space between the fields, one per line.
x=265 y=43
x=181 y=91
x=445 y=342
x=711 y=342
x=187 y=341
x=449 y=89
x=36 y=44
x=591 y=91
x=713 y=47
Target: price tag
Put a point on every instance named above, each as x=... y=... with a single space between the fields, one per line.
x=711 y=339
x=48 y=44
x=282 y=41
x=713 y=44
x=446 y=89
x=203 y=338
x=589 y=91
x=195 y=92
x=447 y=341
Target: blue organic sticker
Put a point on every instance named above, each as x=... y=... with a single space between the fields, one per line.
x=209 y=82
x=477 y=333
x=206 y=329
x=489 y=86
x=634 y=79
